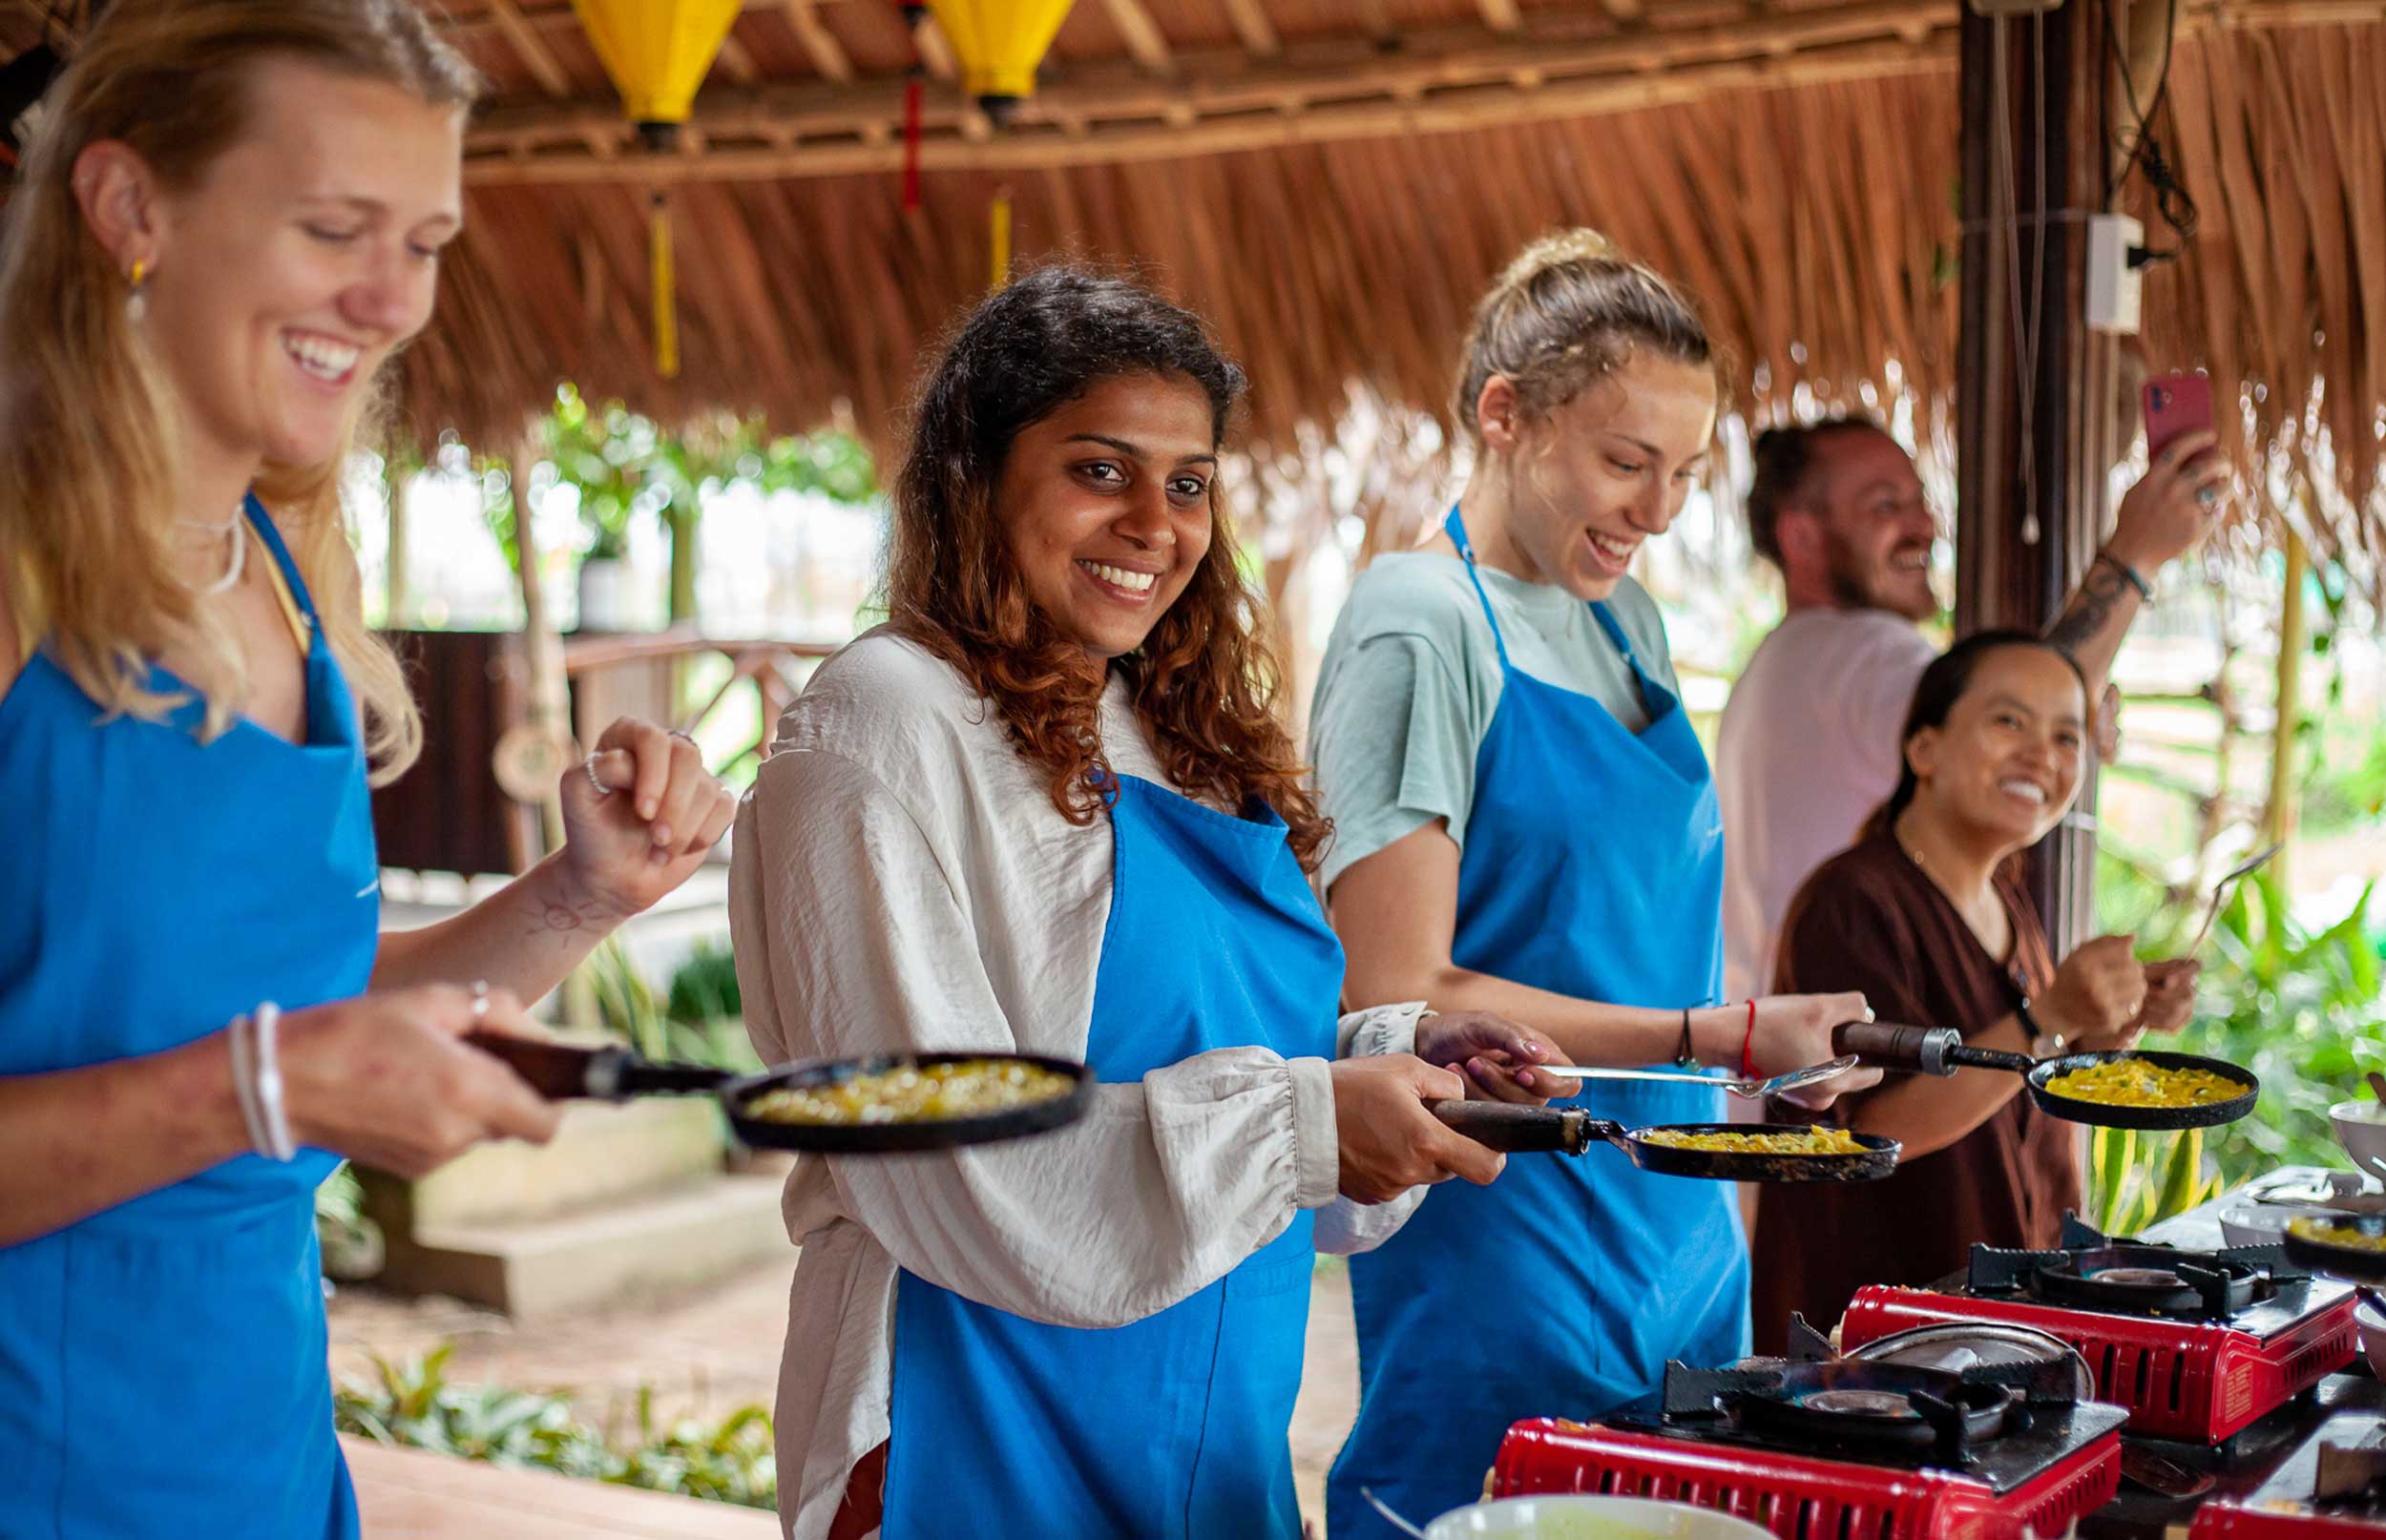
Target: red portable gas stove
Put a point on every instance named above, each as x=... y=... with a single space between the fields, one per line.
x=1845 y=1450
x=2195 y=1344
x=2331 y=1488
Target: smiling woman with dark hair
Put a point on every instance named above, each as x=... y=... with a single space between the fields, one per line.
x=1051 y=806
x=1928 y=915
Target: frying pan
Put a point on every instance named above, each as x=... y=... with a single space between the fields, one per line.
x=1941 y=1050
x=562 y=1071
x=1517 y=1128
x=2355 y=1263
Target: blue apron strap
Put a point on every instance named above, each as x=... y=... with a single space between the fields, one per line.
x=1647 y=686
x=1456 y=527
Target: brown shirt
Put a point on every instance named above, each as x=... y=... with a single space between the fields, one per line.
x=1869 y=920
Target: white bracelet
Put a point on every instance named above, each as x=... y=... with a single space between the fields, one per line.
x=278 y=1145
x=243 y=1081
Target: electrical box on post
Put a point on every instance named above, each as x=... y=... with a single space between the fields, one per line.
x=2112 y=283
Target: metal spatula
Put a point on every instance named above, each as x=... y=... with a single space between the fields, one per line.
x=2222 y=889
x=1752 y=1089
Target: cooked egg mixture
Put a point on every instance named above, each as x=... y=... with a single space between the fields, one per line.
x=2334 y=1233
x=915 y=1093
x=2144 y=1083
x=1812 y=1141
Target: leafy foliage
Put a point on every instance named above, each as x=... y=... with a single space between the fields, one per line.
x=625 y=465
x=2302 y=1009
x=416 y=1406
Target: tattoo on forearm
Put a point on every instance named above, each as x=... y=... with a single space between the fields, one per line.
x=2090 y=610
x=561 y=918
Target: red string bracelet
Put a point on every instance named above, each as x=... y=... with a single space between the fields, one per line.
x=1748 y=1046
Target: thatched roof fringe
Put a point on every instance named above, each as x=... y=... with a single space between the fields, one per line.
x=1816 y=223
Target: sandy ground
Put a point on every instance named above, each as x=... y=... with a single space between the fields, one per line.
x=707 y=1352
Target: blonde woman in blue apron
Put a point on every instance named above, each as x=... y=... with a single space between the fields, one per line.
x=230 y=220
x=1525 y=824
x=1051 y=805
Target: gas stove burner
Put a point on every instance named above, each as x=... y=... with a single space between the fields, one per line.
x=1861 y=1404
x=2149 y=1280
x=1870 y=1406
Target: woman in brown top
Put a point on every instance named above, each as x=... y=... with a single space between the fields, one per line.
x=1928 y=916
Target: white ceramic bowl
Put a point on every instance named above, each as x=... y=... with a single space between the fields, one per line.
x=1590 y=1518
x=2257 y=1224
x=2373 y=1339
x=2361 y=1129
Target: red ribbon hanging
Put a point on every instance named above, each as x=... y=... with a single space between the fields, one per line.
x=911 y=143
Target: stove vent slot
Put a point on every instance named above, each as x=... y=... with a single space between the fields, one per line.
x=2316 y=1360
x=2178 y=1382
x=1807 y=1529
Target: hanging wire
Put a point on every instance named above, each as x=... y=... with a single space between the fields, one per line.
x=2171 y=200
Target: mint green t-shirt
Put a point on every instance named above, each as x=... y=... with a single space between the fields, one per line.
x=1412 y=679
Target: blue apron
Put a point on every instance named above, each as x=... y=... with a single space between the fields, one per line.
x=1172 y=1427
x=1592 y=868
x=163 y=1361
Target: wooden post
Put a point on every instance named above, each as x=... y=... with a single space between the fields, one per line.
x=396 y=603
x=2034 y=391
x=549 y=697
x=2278 y=813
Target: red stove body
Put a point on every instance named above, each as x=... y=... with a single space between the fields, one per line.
x=2219 y=1520
x=1806 y=1496
x=2288 y=1505
x=2191 y=1380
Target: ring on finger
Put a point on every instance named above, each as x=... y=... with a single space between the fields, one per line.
x=589 y=764
x=683 y=735
x=2208 y=495
x=480 y=999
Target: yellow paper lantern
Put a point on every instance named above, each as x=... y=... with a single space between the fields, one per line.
x=999 y=44
x=656 y=53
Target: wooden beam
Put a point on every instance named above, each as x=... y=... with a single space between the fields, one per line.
x=935 y=52
x=1501 y=15
x=736 y=62
x=1222 y=84
x=1253 y=26
x=1626 y=12
x=1145 y=43
x=530 y=48
x=1018 y=149
x=819 y=45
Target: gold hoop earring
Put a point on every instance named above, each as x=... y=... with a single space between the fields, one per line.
x=136 y=303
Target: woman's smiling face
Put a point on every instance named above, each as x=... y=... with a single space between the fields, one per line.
x=1106 y=506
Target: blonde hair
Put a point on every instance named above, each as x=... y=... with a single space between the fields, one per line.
x=89 y=422
x=1568 y=310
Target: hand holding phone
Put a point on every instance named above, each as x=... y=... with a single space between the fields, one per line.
x=2171 y=510
x=2176 y=405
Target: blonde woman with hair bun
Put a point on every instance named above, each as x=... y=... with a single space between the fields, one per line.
x=231 y=217
x=1525 y=825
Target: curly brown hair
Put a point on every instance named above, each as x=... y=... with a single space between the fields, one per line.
x=1205 y=683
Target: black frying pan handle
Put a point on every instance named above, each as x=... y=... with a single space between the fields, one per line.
x=561 y=1071
x=1930 y=1050
x=1514 y=1127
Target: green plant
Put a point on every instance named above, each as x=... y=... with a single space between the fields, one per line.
x=2301 y=1008
x=350 y=1241
x=627 y=1007
x=417 y=1407
x=705 y=988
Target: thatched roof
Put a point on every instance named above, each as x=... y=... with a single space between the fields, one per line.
x=1332 y=181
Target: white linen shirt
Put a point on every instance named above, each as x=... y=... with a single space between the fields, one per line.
x=1808 y=749
x=902 y=880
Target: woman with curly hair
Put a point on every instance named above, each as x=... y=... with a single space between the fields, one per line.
x=1050 y=807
